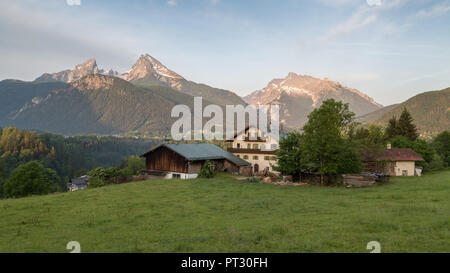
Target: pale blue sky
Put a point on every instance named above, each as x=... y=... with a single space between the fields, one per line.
x=388 y=49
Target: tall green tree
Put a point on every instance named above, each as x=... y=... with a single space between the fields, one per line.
x=392 y=128
x=371 y=136
x=349 y=160
x=31 y=179
x=323 y=137
x=406 y=126
x=442 y=145
x=289 y=155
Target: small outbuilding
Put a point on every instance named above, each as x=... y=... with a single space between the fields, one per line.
x=78 y=183
x=186 y=160
x=394 y=162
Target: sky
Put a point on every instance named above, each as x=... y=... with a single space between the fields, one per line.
x=389 y=49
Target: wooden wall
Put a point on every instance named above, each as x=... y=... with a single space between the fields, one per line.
x=164 y=159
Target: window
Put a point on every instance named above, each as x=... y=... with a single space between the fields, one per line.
x=255 y=157
x=249 y=146
x=176 y=175
x=245 y=156
x=239 y=145
x=273 y=146
x=273 y=158
x=405 y=173
x=255 y=146
x=238 y=155
x=266 y=158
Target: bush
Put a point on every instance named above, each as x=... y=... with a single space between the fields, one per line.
x=99 y=172
x=3 y=175
x=31 y=178
x=131 y=166
x=96 y=182
x=442 y=145
x=101 y=177
x=436 y=164
x=208 y=170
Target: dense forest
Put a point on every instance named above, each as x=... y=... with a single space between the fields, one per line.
x=67 y=156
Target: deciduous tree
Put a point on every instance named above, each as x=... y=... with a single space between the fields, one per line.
x=323 y=137
x=30 y=179
x=289 y=155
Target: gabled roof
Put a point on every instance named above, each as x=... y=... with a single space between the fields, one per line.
x=79 y=182
x=400 y=154
x=394 y=154
x=201 y=151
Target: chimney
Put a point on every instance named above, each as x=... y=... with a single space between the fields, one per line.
x=389 y=146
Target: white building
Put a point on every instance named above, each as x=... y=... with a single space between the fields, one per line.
x=256 y=147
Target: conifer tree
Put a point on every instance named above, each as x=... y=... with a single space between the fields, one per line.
x=406 y=126
x=392 y=128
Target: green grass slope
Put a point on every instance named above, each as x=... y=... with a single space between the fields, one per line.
x=225 y=215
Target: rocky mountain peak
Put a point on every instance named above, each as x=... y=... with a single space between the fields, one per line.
x=298 y=95
x=87 y=68
x=146 y=65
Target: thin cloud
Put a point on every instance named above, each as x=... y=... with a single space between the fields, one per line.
x=437 y=10
x=357 y=21
x=364 y=16
x=172 y=3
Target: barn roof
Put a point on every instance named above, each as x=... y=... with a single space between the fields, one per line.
x=396 y=154
x=202 y=151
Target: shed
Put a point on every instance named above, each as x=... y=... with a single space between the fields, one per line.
x=186 y=160
x=393 y=161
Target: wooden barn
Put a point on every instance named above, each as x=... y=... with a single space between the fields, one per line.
x=186 y=160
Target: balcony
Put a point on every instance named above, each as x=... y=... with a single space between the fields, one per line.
x=258 y=139
x=250 y=151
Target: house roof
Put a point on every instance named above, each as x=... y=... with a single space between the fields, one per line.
x=79 y=182
x=397 y=154
x=202 y=151
x=236 y=134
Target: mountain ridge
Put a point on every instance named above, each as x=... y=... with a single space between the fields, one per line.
x=97 y=103
x=147 y=71
x=430 y=111
x=298 y=95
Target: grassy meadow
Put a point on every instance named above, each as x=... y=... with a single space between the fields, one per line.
x=409 y=214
